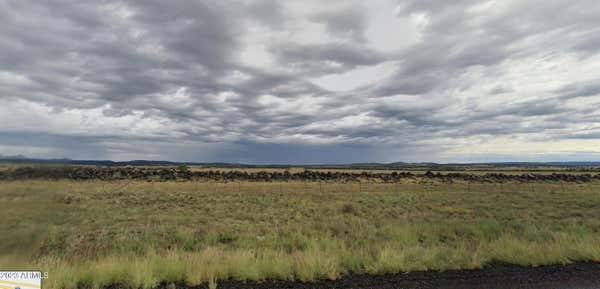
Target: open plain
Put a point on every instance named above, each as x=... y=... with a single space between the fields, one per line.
x=139 y=232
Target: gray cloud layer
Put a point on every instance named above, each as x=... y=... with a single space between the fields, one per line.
x=290 y=81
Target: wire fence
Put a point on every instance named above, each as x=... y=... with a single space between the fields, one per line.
x=333 y=187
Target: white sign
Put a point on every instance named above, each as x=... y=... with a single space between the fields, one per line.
x=21 y=279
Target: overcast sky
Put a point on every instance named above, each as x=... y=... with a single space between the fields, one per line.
x=268 y=81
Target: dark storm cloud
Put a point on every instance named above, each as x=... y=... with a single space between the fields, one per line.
x=237 y=78
x=349 y=22
x=522 y=109
x=500 y=89
x=574 y=90
x=269 y=12
x=405 y=82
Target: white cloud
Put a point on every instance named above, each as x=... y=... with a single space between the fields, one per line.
x=388 y=31
x=356 y=78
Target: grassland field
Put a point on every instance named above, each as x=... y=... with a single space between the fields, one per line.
x=90 y=234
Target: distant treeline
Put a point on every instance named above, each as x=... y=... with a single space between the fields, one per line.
x=184 y=174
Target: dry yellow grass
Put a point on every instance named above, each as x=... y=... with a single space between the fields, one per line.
x=141 y=233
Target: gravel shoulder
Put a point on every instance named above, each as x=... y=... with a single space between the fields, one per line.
x=580 y=276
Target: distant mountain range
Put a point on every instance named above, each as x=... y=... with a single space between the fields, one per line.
x=17 y=157
x=23 y=159
x=395 y=165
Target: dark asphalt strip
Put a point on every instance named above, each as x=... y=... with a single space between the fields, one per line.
x=572 y=276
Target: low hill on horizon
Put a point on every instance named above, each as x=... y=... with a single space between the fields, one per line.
x=21 y=159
